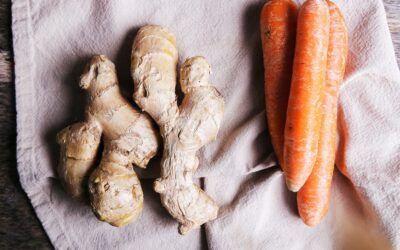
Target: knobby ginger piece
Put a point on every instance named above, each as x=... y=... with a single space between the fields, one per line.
x=129 y=138
x=184 y=129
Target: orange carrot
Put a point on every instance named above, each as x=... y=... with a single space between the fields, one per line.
x=278 y=34
x=303 y=121
x=313 y=198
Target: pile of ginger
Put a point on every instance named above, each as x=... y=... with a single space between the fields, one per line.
x=130 y=137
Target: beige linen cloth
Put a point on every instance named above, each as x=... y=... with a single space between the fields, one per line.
x=54 y=39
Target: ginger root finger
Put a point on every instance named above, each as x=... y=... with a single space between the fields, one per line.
x=79 y=144
x=129 y=137
x=184 y=129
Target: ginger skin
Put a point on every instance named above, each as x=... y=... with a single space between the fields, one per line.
x=129 y=138
x=184 y=129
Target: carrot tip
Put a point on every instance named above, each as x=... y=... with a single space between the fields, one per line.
x=292 y=186
x=311 y=223
x=311 y=216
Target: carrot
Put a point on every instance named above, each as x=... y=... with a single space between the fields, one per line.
x=278 y=34
x=303 y=121
x=313 y=198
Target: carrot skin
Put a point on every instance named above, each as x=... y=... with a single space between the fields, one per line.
x=303 y=120
x=278 y=34
x=313 y=198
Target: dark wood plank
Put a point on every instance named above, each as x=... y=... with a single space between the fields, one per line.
x=393 y=15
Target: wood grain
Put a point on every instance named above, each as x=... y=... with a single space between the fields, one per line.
x=393 y=15
x=20 y=229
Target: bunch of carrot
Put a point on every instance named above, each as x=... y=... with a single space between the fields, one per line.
x=304 y=51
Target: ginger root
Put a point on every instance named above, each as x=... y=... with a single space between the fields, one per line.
x=184 y=129
x=129 y=138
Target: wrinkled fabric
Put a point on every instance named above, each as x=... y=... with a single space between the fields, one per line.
x=54 y=39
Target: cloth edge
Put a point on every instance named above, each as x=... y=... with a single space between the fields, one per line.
x=24 y=77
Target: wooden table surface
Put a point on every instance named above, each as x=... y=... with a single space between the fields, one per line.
x=19 y=226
